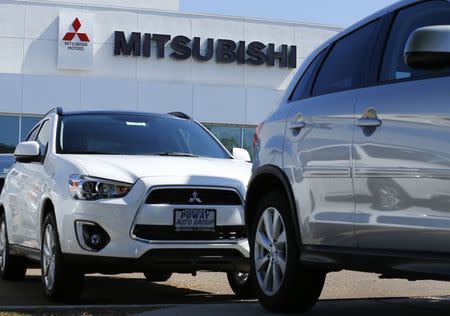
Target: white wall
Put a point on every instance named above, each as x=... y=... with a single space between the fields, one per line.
x=217 y=93
x=170 y=5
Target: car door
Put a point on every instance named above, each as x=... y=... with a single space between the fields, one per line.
x=402 y=172
x=18 y=181
x=317 y=153
x=30 y=187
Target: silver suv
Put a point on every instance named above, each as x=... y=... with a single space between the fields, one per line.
x=352 y=171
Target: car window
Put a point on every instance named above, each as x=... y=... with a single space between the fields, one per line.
x=303 y=86
x=344 y=66
x=407 y=21
x=130 y=134
x=33 y=133
x=44 y=134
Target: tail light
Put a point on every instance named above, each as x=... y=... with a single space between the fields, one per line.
x=256 y=135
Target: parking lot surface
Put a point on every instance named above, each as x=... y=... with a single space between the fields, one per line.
x=345 y=292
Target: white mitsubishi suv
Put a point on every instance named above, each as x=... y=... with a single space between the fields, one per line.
x=115 y=192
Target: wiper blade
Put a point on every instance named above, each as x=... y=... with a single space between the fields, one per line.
x=87 y=152
x=175 y=154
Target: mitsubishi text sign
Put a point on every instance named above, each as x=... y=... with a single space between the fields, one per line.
x=76 y=41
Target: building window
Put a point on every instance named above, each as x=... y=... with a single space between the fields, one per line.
x=248 y=135
x=9 y=133
x=233 y=136
x=26 y=124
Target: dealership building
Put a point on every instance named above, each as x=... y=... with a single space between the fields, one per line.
x=145 y=55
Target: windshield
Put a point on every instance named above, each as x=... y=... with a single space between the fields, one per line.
x=131 y=134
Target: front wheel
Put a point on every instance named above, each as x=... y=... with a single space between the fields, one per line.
x=12 y=268
x=242 y=284
x=283 y=284
x=62 y=283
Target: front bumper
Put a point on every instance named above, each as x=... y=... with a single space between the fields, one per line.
x=184 y=260
x=126 y=253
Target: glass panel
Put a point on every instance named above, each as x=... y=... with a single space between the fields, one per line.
x=342 y=67
x=9 y=133
x=304 y=84
x=28 y=122
x=408 y=20
x=229 y=136
x=129 y=134
x=249 y=133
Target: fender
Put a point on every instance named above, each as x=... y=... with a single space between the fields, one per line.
x=280 y=175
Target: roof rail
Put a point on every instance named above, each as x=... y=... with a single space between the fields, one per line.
x=180 y=115
x=58 y=110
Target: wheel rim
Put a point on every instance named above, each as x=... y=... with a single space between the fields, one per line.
x=240 y=277
x=48 y=257
x=3 y=245
x=270 y=253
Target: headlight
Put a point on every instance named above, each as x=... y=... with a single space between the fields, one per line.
x=88 y=188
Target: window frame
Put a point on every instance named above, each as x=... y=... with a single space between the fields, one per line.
x=390 y=20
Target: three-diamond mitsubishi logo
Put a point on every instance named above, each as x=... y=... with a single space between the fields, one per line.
x=76 y=40
x=83 y=37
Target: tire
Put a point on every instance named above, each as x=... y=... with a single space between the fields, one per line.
x=298 y=288
x=62 y=283
x=242 y=284
x=158 y=276
x=12 y=268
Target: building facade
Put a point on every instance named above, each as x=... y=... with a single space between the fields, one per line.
x=226 y=72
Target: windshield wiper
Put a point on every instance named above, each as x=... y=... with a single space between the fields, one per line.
x=87 y=152
x=175 y=154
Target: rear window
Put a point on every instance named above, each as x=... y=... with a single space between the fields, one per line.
x=126 y=134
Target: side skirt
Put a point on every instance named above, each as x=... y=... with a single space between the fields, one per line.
x=33 y=255
x=390 y=264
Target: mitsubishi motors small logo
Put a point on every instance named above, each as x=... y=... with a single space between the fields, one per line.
x=76 y=40
x=83 y=37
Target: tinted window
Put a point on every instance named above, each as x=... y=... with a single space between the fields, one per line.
x=26 y=124
x=408 y=20
x=229 y=136
x=249 y=134
x=9 y=135
x=344 y=66
x=33 y=133
x=303 y=87
x=44 y=134
x=127 y=134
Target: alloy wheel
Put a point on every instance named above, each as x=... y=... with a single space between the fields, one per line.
x=270 y=253
x=48 y=257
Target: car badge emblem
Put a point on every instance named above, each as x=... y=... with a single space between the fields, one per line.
x=195 y=198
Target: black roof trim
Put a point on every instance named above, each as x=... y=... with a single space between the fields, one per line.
x=180 y=115
x=58 y=110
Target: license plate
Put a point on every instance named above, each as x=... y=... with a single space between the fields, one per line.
x=195 y=220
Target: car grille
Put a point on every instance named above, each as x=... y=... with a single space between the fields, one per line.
x=157 y=232
x=186 y=196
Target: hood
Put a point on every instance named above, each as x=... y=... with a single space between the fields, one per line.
x=131 y=168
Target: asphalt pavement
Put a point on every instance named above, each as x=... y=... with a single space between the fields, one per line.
x=349 y=293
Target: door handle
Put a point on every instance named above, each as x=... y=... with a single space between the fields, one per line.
x=369 y=122
x=298 y=122
x=369 y=119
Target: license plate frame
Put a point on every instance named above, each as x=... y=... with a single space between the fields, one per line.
x=190 y=226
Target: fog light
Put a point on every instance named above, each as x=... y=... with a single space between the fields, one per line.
x=91 y=236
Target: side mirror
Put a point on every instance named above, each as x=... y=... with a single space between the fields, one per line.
x=27 y=152
x=241 y=154
x=428 y=47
